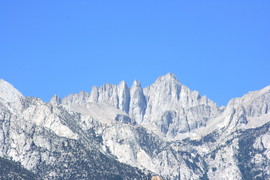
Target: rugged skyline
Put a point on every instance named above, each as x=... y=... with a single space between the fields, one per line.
x=121 y=132
x=219 y=48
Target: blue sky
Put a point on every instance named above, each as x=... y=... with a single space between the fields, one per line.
x=220 y=48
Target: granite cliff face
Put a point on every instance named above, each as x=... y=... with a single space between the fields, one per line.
x=167 y=106
x=116 y=132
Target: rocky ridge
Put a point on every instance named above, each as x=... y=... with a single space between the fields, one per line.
x=117 y=132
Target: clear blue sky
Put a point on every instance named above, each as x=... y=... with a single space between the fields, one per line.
x=220 y=48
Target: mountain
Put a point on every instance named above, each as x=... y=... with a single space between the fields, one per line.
x=167 y=107
x=162 y=131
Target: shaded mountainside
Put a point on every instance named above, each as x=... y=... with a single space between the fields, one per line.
x=13 y=170
x=116 y=132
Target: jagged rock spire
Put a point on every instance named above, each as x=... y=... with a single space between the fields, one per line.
x=137 y=102
x=56 y=100
x=123 y=96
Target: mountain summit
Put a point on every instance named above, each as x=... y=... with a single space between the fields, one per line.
x=166 y=107
x=163 y=131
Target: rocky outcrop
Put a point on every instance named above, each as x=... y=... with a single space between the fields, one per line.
x=151 y=106
x=137 y=102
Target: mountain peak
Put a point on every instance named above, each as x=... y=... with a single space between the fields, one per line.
x=171 y=75
x=8 y=90
x=136 y=83
x=10 y=95
x=168 y=77
x=123 y=83
x=167 y=80
x=56 y=100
